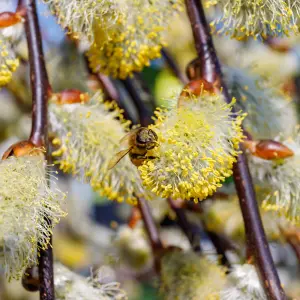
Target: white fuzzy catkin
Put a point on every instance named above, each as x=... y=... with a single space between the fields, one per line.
x=185 y=275
x=253 y=18
x=71 y=286
x=280 y=179
x=89 y=135
x=25 y=202
x=197 y=146
x=269 y=110
x=81 y=16
x=244 y=284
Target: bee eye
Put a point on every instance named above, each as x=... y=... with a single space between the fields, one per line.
x=141 y=139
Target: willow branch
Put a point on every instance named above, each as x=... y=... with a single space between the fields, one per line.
x=39 y=134
x=150 y=224
x=207 y=66
x=134 y=92
x=186 y=226
x=171 y=63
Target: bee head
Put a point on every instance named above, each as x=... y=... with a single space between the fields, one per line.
x=146 y=138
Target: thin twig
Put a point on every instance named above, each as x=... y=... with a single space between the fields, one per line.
x=186 y=226
x=39 y=134
x=149 y=224
x=133 y=90
x=208 y=67
x=171 y=63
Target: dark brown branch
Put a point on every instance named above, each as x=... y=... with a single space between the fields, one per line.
x=150 y=225
x=207 y=67
x=171 y=63
x=143 y=112
x=39 y=135
x=108 y=87
x=38 y=76
x=186 y=226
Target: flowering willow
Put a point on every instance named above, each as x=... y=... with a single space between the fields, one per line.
x=70 y=286
x=133 y=247
x=136 y=38
x=87 y=135
x=259 y=18
x=244 y=284
x=8 y=61
x=25 y=201
x=269 y=110
x=80 y=17
x=198 y=144
x=224 y=217
x=185 y=275
x=280 y=178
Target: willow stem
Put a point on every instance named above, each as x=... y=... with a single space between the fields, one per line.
x=186 y=226
x=207 y=67
x=171 y=63
x=39 y=133
x=134 y=92
x=150 y=224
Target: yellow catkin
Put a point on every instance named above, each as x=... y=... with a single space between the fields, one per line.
x=198 y=144
x=8 y=62
x=254 y=18
x=135 y=39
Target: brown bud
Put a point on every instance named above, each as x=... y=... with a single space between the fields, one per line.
x=70 y=96
x=268 y=149
x=9 y=18
x=21 y=149
x=30 y=279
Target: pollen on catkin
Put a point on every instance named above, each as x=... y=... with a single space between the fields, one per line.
x=185 y=275
x=259 y=18
x=244 y=283
x=88 y=134
x=280 y=179
x=135 y=39
x=198 y=144
x=80 y=17
x=269 y=110
x=8 y=62
x=71 y=286
x=25 y=202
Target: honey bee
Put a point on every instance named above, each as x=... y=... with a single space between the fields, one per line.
x=139 y=141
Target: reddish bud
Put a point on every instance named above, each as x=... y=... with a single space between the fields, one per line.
x=196 y=87
x=9 y=18
x=21 y=149
x=70 y=96
x=268 y=149
x=278 y=45
x=135 y=217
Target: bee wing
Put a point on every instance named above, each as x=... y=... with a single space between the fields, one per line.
x=117 y=158
x=125 y=140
